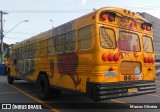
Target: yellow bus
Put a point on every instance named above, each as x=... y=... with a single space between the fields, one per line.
x=105 y=54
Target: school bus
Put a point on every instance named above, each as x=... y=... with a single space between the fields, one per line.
x=105 y=54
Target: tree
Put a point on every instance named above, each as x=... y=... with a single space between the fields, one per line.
x=6 y=49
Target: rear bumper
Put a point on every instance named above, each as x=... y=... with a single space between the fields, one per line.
x=104 y=91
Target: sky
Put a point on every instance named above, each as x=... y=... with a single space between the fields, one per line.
x=45 y=14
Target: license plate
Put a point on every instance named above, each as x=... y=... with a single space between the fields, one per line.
x=109 y=74
x=132 y=90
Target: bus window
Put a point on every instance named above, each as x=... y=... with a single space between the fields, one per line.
x=60 y=43
x=70 y=41
x=129 y=41
x=130 y=68
x=107 y=38
x=27 y=51
x=42 y=48
x=147 y=44
x=37 y=49
x=19 y=53
x=32 y=50
x=23 y=52
x=84 y=38
x=50 y=46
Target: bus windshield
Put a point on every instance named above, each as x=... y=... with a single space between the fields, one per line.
x=129 y=41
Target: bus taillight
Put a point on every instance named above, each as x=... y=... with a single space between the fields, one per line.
x=149 y=69
x=149 y=60
x=143 y=26
x=104 y=57
x=104 y=17
x=111 y=18
x=110 y=57
x=148 y=28
x=108 y=16
x=116 y=57
x=152 y=60
x=111 y=69
x=145 y=60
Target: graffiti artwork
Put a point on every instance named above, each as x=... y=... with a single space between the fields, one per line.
x=106 y=40
x=127 y=23
x=67 y=65
x=128 y=42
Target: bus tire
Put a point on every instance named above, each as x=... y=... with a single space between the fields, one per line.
x=45 y=92
x=9 y=78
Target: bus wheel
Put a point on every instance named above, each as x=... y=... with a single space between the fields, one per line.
x=44 y=90
x=10 y=79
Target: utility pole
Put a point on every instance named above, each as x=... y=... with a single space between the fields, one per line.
x=1 y=35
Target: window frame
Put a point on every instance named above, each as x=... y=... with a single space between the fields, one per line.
x=42 y=49
x=73 y=31
x=151 y=43
x=91 y=46
x=56 y=43
x=114 y=37
x=132 y=62
x=37 y=49
x=130 y=33
x=53 y=39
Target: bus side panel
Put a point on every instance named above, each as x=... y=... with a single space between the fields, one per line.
x=72 y=75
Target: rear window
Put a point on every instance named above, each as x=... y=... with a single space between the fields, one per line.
x=107 y=38
x=147 y=44
x=129 y=41
x=130 y=68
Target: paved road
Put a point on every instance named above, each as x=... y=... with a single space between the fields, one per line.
x=24 y=92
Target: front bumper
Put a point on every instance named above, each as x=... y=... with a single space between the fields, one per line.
x=104 y=91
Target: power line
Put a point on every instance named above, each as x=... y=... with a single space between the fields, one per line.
x=25 y=29
x=19 y=32
x=51 y=11
x=78 y=10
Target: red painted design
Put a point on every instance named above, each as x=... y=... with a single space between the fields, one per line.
x=127 y=23
x=67 y=65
